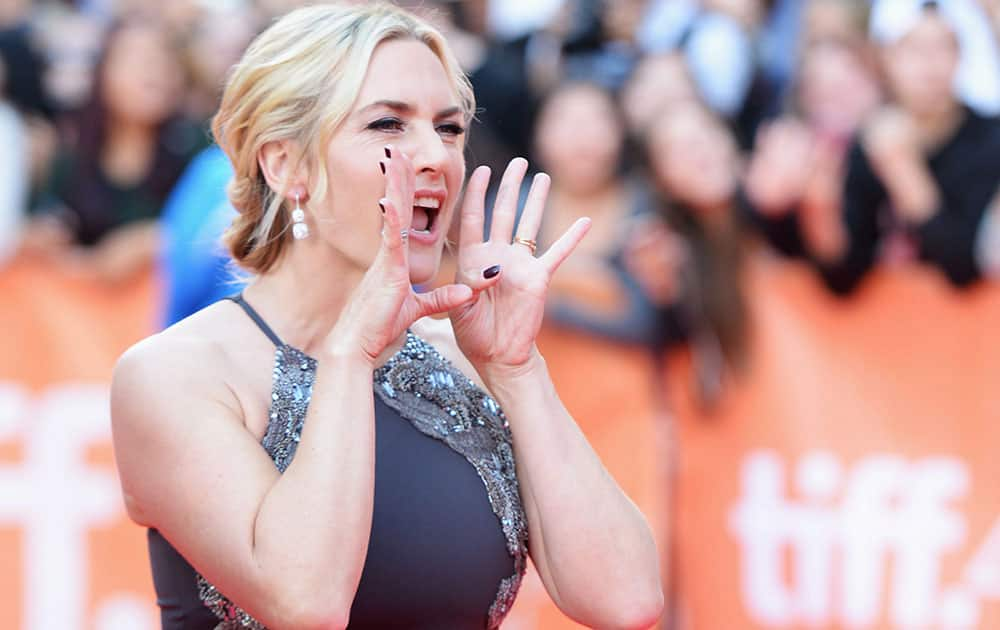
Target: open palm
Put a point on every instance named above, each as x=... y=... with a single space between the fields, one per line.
x=498 y=327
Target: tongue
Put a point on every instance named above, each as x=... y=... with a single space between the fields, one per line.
x=420 y=219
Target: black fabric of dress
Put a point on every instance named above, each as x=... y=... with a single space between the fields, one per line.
x=436 y=553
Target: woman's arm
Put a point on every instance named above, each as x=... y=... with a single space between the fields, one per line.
x=591 y=545
x=288 y=548
x=863 y=195
x=593 y=548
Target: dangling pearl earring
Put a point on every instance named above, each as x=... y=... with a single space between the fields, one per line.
x=300 y=229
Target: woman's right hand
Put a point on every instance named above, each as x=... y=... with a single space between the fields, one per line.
x=384 y=304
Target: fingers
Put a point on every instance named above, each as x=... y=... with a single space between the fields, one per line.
x=563 y=247
x=473 y=208
x=442 y=299
x=534 y=207
x=399 y=185
x=392 y=227
x=505 y=208
x=479 y=279
x=397 y=205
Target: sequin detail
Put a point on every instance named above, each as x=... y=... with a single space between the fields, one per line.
x=441 y=402
x=426 y=389
x=233 y=617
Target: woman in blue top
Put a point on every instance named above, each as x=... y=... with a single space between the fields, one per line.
x=317 y=452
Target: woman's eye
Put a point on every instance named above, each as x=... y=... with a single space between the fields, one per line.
x=387 y=124
x=451 y=129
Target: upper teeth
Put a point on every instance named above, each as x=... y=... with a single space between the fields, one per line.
x=427 y=202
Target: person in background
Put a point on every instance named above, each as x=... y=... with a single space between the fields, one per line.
x=193 y=265
x=658 y=82
x=691 y=263
x=194 y=268
x=128 y=148
x=25 y=123
x=215 y=42
x=579 y=140
x=993 y=11
x=988 y=240
x=14 y=164
x=794 y=181
x=923 y=170
x=718 y=40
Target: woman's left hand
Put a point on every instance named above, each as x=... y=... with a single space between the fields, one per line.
x=497 y=329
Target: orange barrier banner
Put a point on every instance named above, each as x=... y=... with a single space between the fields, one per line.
x=851 y=477
x=71 y=558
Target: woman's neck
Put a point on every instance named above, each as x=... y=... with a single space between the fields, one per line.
x=128 y=152
x=303 y=295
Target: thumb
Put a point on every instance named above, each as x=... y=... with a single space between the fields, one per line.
x=479 y=279
x=442 y=299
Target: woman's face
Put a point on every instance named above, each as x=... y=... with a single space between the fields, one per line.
x=921 y=66
x=694 y=158
x=142 y=75
x=218 y=42
x=407 y=101
x=579 y=138
x=837 y=91
x=659 y=82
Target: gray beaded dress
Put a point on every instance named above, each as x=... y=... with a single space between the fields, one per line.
x=448 y=545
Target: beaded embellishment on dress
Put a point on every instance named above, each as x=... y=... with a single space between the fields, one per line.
x=427 y=390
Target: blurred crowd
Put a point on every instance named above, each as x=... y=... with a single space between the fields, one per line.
x=843 y=133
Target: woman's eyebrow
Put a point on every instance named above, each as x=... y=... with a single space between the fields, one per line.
x=406 y=108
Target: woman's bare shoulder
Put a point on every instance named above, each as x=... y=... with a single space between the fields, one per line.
x=194 y=355
x=194 y=340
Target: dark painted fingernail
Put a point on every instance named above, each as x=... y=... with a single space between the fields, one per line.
x=388 y=153
x=381 y=207
x=491 y=272
x=381 y=165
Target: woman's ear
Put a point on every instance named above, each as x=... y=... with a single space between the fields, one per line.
x=282 y=169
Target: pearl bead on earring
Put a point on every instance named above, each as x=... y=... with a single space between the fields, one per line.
x=300 y=229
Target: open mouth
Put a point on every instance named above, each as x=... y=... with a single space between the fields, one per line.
x=425 y=214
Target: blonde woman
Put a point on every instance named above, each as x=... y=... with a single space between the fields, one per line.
x=316 y=452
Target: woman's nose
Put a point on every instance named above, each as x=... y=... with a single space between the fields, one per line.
x=427 y=150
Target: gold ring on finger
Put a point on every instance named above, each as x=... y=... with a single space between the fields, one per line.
x=530 y=244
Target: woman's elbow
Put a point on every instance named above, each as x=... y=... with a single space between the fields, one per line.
x=642 y=612
x=636 y=609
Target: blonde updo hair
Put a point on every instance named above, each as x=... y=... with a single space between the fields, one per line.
x=298 y=81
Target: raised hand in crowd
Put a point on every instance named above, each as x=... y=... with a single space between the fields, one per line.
x=124 y=252
x=780 y=168
x=797 y=170
x=655 y=256
x=896 y=152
